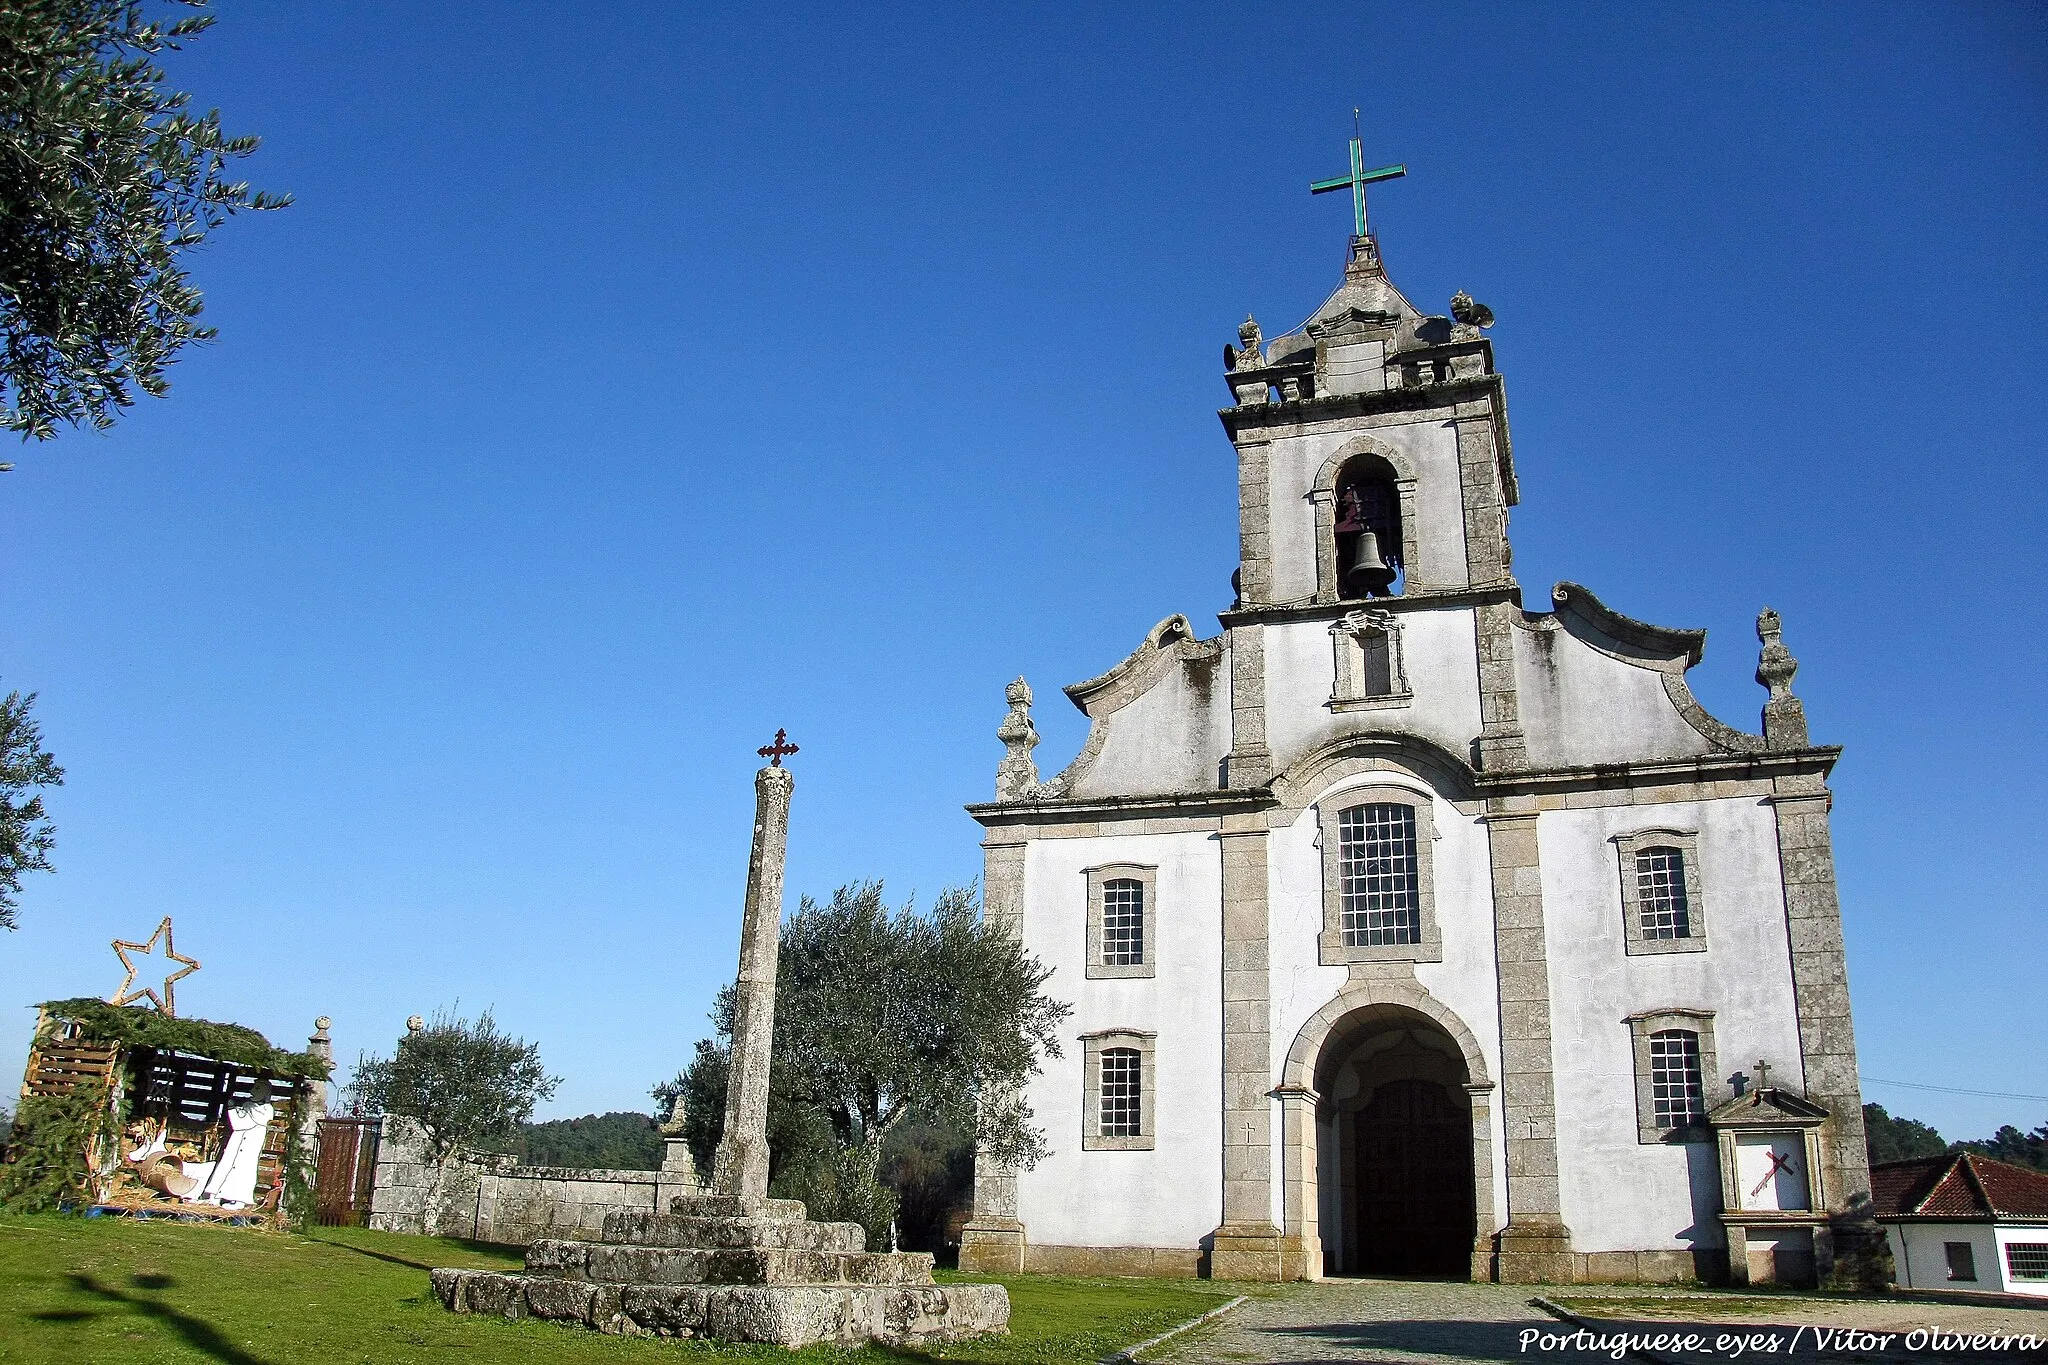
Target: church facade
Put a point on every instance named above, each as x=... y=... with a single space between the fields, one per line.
x=1408 y=930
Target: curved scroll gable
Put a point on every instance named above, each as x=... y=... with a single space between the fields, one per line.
x=1167 y=645
x=1624 y=637
x=1392 y=997
x=1428 y=762
x=1661 y=649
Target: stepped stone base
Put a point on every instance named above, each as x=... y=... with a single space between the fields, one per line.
x=720 y=1268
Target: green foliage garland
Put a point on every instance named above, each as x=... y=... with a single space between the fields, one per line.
x=47 y=1166
x=134 y=1026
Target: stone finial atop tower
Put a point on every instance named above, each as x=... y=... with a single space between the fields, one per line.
x=1016 y=775
x=1784 y=714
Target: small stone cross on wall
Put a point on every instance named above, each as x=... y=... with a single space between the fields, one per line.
x=1249 y=1130
x=1763 y=1074
x=774 y=752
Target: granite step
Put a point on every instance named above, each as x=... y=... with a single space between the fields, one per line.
x=637 y=1227
x=609 y=1263
x=732 y=1206
x=793 y=1316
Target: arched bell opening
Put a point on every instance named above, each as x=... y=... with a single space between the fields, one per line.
x=1395 y=1149
x=1368 y=530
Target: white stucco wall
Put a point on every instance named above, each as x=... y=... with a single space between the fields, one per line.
x=1920 y=1256
x=1619 y=1194
x=1440 y=657
x=1430 y=443
x=1465 y=981
x=1171 y=738
x=1171 y=1196
x=1581 y=706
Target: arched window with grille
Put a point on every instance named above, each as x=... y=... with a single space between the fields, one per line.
x=1379 y=892
x=1118 y=1097
x=1123 y=920
x=1378 y=885
x=1123 y=1099
x=1674 y=1056
x=1662 y=908
x=1661 y=902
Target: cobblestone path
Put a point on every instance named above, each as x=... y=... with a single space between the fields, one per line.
x=1413 y=1322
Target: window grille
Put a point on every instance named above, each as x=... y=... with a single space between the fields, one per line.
x=2027 y=1260
x=1378 y=883
x=1123 y=923
x=1675 y=1087
x=1660 y=893
x=1120 y=1092
x=1962 y=1260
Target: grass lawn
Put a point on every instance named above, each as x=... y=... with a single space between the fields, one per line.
x=140 y=1293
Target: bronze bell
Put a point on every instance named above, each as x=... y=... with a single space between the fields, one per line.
x=1368 y=574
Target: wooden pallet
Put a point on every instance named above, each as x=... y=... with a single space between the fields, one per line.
x=59 y=1065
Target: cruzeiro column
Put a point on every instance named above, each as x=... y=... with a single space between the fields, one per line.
x=740 y=1170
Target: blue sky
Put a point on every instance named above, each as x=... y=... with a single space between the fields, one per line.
x=623 y=386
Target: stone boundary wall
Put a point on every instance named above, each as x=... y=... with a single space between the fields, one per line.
x=490 y=1198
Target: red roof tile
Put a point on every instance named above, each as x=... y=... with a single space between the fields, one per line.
x=1961 y=1186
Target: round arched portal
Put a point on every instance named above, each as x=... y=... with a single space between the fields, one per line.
x=1400 y=1139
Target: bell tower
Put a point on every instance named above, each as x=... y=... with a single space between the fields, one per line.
x=1373 y=463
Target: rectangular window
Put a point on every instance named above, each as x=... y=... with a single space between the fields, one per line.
x=1378 y=885
x=1378 y=654
x=2027 y=1260
x=1675 y=1087
x=1660 y=893
x=1122 y=1085
x=1123 y=923
x=1962 y=1261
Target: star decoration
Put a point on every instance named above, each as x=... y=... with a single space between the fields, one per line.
x=166 y=1003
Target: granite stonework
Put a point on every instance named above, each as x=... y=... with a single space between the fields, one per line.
x=733 y=1264
x=1540 y=756
x=732 y=1270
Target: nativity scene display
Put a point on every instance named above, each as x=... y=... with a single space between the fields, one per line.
x=130 y=1109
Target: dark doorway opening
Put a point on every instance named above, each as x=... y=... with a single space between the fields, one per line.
x=1413 y=1207
x=1397 y=1192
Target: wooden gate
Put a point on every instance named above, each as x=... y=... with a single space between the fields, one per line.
x=346 y=1171
x=1414 y=1182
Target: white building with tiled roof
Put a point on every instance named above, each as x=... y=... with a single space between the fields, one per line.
x=1964 y=1221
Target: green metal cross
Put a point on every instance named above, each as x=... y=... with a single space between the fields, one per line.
x=1356 y=183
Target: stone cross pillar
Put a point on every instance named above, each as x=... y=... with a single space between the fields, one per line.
x=741 y=1168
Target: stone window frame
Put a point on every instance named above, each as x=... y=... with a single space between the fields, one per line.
x=1099 y=877
x=1332 y=949
x=1687 y=842
x=1093 y=1045
x=1641 y=1026
x=1347 y=645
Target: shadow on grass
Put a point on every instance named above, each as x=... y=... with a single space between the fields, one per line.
x=477 y=1248
x=201 y=1335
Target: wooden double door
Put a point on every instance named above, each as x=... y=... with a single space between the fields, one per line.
x=1412 y=1209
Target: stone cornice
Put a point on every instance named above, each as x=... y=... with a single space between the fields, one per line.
x=1660 y=772
x=1250 y=417
x=1069 y=809
x=1434 y=599
x=1515 y=782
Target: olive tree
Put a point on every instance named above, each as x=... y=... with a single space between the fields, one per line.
x=107 y=178
x=465 y=1085
x=882 y=1016
x=26 y=834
